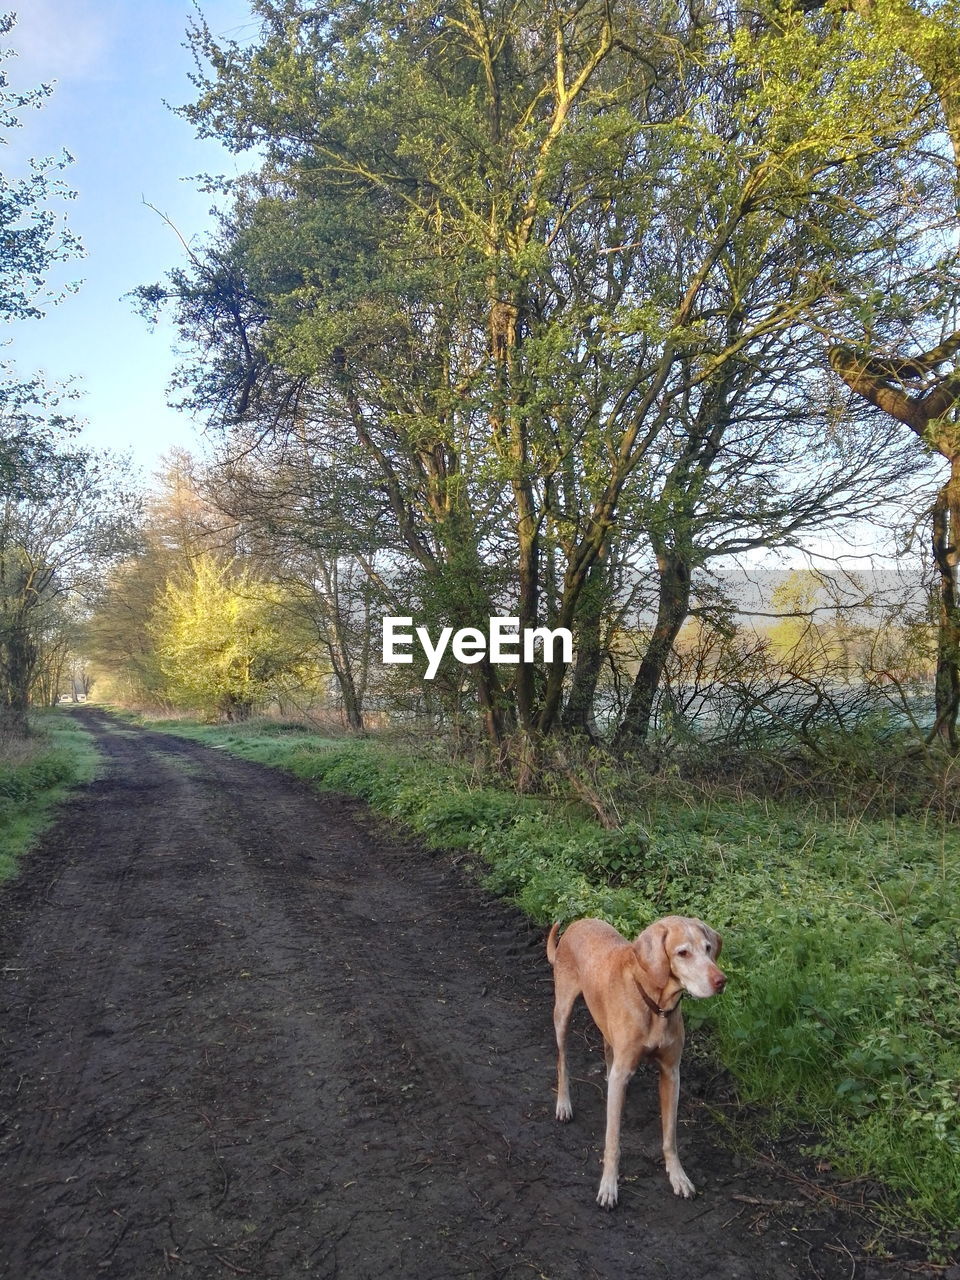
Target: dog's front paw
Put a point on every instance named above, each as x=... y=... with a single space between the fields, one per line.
x=607 y=1195
x=682 y=1186
x=564 y=1110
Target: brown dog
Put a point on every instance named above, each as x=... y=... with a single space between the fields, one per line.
x=633 y=991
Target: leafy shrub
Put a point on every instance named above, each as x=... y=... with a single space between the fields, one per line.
x=20 y=783
x=458 y=819
x=33 y=776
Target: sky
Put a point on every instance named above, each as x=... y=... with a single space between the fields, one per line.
x=114 y=64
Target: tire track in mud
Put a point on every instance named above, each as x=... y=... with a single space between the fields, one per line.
x=246 y=1031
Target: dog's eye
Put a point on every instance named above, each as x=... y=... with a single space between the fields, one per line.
x=683 y=951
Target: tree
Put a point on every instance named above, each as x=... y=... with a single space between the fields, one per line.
x=64 y=515
x=63 y=510
x=745 y=478
x=177 y=528
x=911 y=388
x=304 y=519
x=118 y=636
x=225 y=641
x=530 y=270
x=896 y=386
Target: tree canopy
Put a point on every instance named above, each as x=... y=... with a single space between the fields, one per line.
x=545 y=296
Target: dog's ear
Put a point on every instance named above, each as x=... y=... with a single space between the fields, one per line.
x=651 y=949
x=712 y=936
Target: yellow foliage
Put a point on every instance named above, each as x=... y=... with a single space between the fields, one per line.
x=227 y=641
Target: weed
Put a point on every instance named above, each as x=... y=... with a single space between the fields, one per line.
x=34 y=777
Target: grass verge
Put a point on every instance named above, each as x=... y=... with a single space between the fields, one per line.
x=35 y=776
x=842 y=935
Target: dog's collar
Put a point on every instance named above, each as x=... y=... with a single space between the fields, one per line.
x=655 y=1008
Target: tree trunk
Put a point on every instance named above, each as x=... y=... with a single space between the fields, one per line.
x=343 y=674
x=339 y=652
x=351 y=702
x=577 y=714
x=492 y=703
x=528 y=604
x=234 y=709
x=509 y=431
x=672 y=609
x=18 y=659
x=946 y=553
x=926 y=413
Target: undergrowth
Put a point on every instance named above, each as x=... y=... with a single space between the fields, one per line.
x=842 y=933
x=35 y=775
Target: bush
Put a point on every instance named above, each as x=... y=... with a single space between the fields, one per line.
x=34 y=776
x=20 y=784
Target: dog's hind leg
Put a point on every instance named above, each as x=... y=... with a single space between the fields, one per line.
x=607 y=1057
x=566 y=995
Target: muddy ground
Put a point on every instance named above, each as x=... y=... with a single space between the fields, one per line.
x=246 y=1031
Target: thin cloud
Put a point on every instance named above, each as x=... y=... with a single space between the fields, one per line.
x=66 y=40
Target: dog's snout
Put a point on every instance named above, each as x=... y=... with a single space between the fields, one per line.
x=719 y=981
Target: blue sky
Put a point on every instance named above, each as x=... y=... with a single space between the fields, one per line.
x=115 y=63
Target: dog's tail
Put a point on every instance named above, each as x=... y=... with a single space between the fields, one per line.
x=552 y=942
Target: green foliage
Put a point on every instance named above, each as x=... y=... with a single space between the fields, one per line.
x=18 y=784
x=34 y=777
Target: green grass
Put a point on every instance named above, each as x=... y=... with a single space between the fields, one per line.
x=842 y=935
x=35 y=777
x=270 y=742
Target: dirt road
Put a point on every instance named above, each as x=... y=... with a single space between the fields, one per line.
x=246 y=1032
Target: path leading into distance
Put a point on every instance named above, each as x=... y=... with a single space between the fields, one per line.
x=246 y=1031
